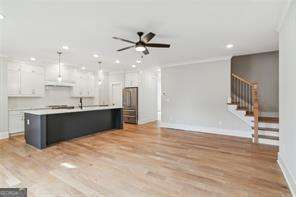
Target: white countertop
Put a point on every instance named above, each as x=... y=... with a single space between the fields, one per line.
x=61 y=111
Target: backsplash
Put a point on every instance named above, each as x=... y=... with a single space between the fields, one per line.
x=53 y=96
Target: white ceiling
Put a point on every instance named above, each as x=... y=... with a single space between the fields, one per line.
x=196 y=30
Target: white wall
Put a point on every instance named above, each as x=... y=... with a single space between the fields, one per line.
x=194 y=97
x=3 y=100
x=264 y=69
x=287 y=99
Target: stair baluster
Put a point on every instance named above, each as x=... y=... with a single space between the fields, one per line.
x=245 y=94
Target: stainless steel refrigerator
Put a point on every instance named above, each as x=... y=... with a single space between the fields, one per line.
x=130 y=105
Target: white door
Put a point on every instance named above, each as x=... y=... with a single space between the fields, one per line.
x=116 y=94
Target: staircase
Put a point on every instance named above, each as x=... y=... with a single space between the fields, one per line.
x=245 y=105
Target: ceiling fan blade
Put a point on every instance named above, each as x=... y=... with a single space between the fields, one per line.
x=146 y=52
x=158 y=45
x=148 y=37
x=125 y=48
x=124 y=40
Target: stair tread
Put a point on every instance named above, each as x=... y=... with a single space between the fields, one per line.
x=268 y=129
x=249 y=113
x=269 y=119
x=232 y=103
x=267 y=137
x=242 y=108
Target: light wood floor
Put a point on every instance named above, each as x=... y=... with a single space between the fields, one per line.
x=143 y=161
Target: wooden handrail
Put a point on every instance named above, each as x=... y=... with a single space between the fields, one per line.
x=243 y=80
x=245 y=94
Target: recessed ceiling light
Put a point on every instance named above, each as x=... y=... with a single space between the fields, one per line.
x=32 y=59
x=65 y=47
x=229 y=46
x=1 y=17
x=138 y=61
x=134 y=66
x=95 y=55
x=83 y=68
x=117 y=61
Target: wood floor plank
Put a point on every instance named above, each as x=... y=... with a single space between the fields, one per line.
x=144 y=160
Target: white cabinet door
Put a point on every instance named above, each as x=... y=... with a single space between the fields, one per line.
x=27 y=82
x=84 y=85
x=91 y=85
x=16 y=122
x=32 y=81
x=51 y=73
x=13 y=82
x=77 y=90
x=39 y=87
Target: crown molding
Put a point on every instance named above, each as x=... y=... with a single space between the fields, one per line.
x=216 y=59
x=284 y=14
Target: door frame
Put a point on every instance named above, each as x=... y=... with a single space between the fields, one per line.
x=111 y=85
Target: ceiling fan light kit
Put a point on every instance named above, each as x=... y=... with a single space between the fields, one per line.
x=143 y=44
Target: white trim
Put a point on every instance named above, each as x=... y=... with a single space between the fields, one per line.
x=213 y=130
x=216 y=59
x=3 y=136
x=287 y=174
x=140 y=122
x=284 y=15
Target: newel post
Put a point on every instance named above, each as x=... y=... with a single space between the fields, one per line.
x=255 y=110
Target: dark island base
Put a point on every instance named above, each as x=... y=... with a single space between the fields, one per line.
x=44 y=130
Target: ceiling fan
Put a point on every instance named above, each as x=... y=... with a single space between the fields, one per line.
x=143 y=43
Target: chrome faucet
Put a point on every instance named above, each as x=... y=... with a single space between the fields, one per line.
x=80 y=106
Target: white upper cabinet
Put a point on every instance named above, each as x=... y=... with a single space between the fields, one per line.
x=25 y=81
x=84 y=84
x=52 y=73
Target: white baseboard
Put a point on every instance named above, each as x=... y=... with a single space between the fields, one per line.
x=4 y=135
x=291 y=181
x=213 y=130
x=140 y=122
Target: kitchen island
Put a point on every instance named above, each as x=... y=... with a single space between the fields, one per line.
x=49 y=126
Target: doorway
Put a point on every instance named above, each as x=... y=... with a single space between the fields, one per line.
x=116 y=94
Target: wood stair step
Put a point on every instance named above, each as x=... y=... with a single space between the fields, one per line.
x=269 y=119
x=249 y=113
x=267 y=137
x=233 y=103
x=242 y=108
x=268 y=129
x=273 y=120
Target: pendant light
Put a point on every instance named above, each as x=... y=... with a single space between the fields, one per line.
x=60 y=75
x=100 y=73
